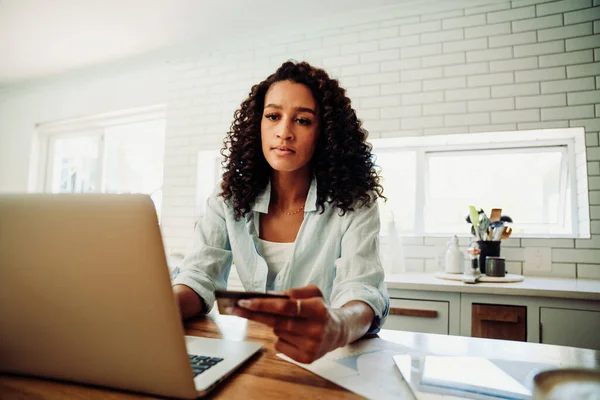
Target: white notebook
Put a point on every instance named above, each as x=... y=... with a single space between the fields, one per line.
x=439 y=377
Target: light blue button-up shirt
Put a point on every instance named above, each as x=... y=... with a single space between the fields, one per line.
x=339 y=254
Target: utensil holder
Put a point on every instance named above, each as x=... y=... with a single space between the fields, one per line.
x=488 y=248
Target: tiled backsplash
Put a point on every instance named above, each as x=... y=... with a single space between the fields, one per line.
x=470 y=66
x=426 y=254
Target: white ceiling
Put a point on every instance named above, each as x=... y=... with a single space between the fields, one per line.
x=41 y=38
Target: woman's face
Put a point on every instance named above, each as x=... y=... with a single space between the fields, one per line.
x=289 y=126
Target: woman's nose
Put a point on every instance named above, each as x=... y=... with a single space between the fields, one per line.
x=285 y=130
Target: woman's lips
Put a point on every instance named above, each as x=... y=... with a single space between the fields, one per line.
x=283 y=151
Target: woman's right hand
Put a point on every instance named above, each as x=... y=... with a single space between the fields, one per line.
x=190 y=304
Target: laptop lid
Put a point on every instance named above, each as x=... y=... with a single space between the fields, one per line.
x=86 y=294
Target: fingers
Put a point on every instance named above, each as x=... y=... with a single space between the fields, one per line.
x=311 y=308
x=267 y=319
x=304 y=292
x=283 y=325
x=290 y=350
x=306 y=345
x=297 y=327
x=310 y=296
x=283 y=307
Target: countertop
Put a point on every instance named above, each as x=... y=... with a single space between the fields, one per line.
x=566 y=288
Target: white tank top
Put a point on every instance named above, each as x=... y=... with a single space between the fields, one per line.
x=276 y=255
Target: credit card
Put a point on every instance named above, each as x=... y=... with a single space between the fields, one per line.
x=227 y=299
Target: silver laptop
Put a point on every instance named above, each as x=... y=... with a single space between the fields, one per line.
x=85 y=296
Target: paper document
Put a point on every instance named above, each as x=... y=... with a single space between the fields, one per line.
x=365 y=367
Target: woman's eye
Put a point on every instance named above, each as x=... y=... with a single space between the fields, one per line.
x=303 y=121
x=272 y=117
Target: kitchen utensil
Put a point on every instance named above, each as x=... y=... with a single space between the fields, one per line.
x=497 y=230
x=506 y=233
x=484 y=225
x=495 y=266
x=473 y=218
x=496 y=214
x=468 y=217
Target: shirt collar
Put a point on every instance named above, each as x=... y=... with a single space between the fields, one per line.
x=263 y=199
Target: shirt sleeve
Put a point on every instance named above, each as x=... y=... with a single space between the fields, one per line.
x=359 y=273
x=206 y=267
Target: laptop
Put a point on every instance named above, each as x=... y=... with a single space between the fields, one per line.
x=85 y=296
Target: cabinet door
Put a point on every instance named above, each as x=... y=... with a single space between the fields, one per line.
x=576 y=328
x=499 y=322
x=418 y=316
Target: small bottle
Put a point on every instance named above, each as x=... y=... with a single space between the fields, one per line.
x=474 y=261
x=454 y=257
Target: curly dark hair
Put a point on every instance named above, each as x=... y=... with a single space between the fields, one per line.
x=342 y=162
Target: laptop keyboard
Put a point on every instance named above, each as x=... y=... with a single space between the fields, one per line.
x=202 y=363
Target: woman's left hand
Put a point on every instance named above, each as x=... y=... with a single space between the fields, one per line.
x=306 y=327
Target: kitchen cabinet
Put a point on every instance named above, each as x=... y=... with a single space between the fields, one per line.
x=418 y=316
x=421 y=311
x=499 y=322
x=568 y=327
x=536 y=319
x=566 y=322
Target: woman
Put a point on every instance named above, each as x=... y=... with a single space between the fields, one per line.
x=297 y=213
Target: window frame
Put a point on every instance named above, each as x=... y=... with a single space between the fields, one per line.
x=50 y=160
x=48 y=133
x=572 y=139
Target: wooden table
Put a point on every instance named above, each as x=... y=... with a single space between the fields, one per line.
x=266 y=376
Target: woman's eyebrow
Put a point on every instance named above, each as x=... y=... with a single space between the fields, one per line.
x=305 y=109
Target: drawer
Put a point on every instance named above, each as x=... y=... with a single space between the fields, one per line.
x=499 y=321
x=418 y=316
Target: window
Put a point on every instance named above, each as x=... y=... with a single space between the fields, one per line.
x=538 y=178
x=531 y=184
x=399 y=166
x=209 y=175
x=116 y=153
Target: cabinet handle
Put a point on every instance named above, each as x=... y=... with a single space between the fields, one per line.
x=499 y=317
x=412 y=312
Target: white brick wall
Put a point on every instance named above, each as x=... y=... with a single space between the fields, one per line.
x=537 y=23
x=488 y=30
x=564 y=32
x=488 y=66
x=570 y=58
x=514 y=64
x=591 y=69
x=513 y=39
x=540 y=74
